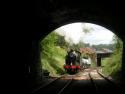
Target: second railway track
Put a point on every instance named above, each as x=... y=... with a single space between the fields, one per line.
x=104 y=85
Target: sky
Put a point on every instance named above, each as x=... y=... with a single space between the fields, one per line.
x=74 y=33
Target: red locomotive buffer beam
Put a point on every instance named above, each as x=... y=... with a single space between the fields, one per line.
x=73 y=67
x=67 y=67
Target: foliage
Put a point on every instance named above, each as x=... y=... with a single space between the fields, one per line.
x=47 y=45
x=112 y=65
x=62 y=43
x=54 y=64
x=52 y=56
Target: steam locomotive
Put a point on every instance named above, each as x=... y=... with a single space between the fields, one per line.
x=72 y=62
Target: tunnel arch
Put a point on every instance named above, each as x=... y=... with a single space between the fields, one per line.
x=104 y=21
x=48 y=18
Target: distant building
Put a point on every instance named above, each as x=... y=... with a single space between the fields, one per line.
x=107 y=50
x=102 y=54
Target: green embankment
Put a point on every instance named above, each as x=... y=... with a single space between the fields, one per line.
x=54 y=63
x=112 y=66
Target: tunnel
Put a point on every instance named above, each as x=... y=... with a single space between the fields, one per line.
x=51 y=14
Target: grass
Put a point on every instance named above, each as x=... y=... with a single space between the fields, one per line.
x=112 y=66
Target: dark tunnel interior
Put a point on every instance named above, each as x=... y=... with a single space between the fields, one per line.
x=51 y=14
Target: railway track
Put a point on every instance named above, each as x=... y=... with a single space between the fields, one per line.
x=95 y=83
x=83 y=86
x=103 y=85
x=56 y=86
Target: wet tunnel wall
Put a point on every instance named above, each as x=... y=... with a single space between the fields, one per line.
x=51 y=14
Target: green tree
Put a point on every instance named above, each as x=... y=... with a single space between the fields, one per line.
x=48 y=43
x=61 y=42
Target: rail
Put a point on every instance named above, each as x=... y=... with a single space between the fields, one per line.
x=94 y=84
x=45 y=85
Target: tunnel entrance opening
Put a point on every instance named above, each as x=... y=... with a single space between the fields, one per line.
x=105 y=53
